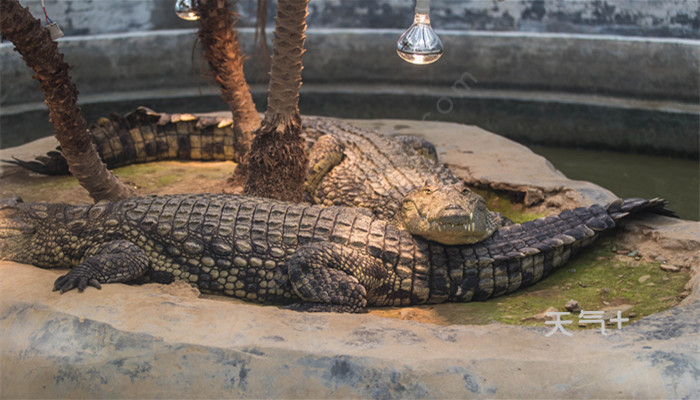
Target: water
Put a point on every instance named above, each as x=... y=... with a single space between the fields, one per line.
x=631 y=175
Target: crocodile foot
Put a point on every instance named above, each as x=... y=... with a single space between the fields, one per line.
x=75 y=279
x=114 y=261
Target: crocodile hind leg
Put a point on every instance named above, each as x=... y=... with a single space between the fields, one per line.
x=332 y=277
x=115 y=261
x=325 y=154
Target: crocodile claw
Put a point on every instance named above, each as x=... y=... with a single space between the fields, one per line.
x=72 y=280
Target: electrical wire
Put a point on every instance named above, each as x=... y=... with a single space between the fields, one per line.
x=48 y=20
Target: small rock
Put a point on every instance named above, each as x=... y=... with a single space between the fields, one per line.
x=572 y=305
x=541 y=316
x=621 y=276
x=572 y=270
x=660 y=259
x=670 y=268
x=553 y=203
x=604 y=290
x=632 y=315
x=644 y=278
x=582 y=284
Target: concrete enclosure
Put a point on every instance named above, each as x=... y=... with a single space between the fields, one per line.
x=614 y=74
x=586 y=74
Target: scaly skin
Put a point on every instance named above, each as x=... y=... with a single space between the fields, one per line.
x=318 y=258
x=348 y=166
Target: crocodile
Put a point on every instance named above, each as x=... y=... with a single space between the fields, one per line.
x=308 y=257
x=348 y=166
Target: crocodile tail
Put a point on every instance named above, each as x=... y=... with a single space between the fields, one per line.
x=622 y=208
x=52 y=163
x=145 y=135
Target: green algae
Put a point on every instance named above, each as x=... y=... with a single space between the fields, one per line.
x=598 y=279
x=44 y=188
x=150 y=178
x=510 y=209
x=184 y=175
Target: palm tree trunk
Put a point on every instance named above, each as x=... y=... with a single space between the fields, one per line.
x=278 y=161
x=223 y=53
x=41 y=54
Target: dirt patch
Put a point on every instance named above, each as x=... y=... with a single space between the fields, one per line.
x=159 y=178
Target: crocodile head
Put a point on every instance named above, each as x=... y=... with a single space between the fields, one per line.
x=15 y=232
x=447 y=214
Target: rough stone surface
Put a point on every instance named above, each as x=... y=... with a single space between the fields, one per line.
x=154 y=341
x=137 y=341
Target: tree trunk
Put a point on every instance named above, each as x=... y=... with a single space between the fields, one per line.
x=41 y=54
x=278 y=162
x=223 y=53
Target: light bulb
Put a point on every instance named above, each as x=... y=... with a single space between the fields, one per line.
x=419 y=44
x=186 y=9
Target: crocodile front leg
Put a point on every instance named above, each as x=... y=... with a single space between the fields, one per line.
x=325 y=154
x=115 y=261
x=332 y=277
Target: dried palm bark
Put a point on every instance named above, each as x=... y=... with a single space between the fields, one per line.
x=278 y=160
x=41 y=54
x=223 y=53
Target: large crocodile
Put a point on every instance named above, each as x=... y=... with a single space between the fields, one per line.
x=349 y=166
x=318 y=258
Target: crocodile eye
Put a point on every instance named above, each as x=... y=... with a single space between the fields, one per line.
x=427 y=191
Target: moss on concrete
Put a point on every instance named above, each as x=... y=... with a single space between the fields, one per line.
x=511 y=210
x=150 y=178
x=599 y=279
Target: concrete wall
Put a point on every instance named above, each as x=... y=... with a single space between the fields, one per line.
x=637 y=68
x=651 y=18
x=530 y=79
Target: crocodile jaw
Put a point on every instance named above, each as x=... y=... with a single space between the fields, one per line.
x=454 y=228
x=447 y=214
